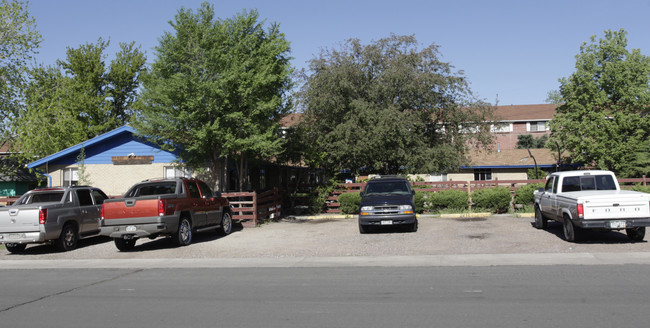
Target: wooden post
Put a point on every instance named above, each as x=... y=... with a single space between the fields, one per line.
x=469 y=192
x=255 y=208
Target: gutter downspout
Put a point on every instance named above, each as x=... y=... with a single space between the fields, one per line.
x=49 y=178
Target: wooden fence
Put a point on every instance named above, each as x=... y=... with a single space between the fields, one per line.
x=252 y=208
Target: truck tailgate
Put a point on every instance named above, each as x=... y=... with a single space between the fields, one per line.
x=622 y=205
x=19 y=219
x=129 y=208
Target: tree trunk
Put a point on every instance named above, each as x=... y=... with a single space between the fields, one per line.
x=224 y=178
x=241 y=173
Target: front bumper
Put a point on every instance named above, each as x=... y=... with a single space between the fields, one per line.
x=613 y=224
x=394 y=219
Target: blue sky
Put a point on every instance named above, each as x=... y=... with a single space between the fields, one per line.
x=512 y=51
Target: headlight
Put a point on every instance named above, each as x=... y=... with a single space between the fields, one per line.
x=366 y=208
x=405 y=207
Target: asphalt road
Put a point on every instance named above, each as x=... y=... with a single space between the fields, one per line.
x=483 y=296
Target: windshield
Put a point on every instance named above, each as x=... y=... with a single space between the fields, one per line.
x=588 y=182
x=41 y=197
x=382 y=188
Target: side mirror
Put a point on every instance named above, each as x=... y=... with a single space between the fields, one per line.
x=540 y=189
x=217 y=194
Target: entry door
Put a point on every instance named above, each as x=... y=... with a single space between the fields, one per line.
x=547 y=202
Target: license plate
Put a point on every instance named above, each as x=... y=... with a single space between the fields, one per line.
x=15 y=236
x=617 y=224
x=386 y=222
x=130 y=228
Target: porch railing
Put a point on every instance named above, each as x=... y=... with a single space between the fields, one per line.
x=252 y=208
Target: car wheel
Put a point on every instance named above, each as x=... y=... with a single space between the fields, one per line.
x=226 y=224
x=124 y=245
x=635 y=234
x=15 y=248
x=540 y=220
x=183 y=236
x=570 y=231
x=363 y=229
x=67 y=241
x=414 y=226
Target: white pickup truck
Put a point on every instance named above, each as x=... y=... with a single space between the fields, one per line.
x=591 y=200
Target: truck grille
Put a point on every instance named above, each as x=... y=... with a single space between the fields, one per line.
x=386 y=210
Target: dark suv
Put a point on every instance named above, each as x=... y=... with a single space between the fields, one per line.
x=387 y=201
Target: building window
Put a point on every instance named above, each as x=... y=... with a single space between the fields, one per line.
x=176 y=172
x=482 y=174
x=538 y=126
x=70 y=177
x=501 y=128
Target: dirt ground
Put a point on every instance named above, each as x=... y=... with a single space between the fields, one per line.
x=329 y=237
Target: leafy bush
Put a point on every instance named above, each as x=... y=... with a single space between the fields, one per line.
x=641 y=188
x=497 y=199
x=447 y=199
x=524 y=195
x=349 y=202
x=419 y=201
x=318 y=197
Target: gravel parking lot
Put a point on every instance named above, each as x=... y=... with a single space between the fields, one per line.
x=332 y=237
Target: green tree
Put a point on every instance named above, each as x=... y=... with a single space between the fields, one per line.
x=527 y=141
x=77 y=99
x=554 y=97
x=604 y=119
x=19 y=40
x=389 y=107
x=217 y=89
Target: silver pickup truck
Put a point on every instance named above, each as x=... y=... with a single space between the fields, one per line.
x=59 y=215
x=591 y=200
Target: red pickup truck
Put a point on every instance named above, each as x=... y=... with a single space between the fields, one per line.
x=167 y=207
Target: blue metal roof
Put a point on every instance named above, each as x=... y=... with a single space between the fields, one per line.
x=508 y=166
x=85 y=144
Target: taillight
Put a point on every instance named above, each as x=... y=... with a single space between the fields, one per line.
x=581 y=211
x=161 y=207
x=101 y=212
x=42 y=215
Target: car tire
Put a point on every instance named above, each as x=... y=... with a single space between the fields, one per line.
x=635 y=234
x=571 y=232
x=68 y=238
x=226 y=224
x=363 y=229
x=124 y=245
x=413 y=227
x=183 y=235
x=15 y=248
x=540 y=220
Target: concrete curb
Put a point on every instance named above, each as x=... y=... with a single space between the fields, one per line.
x=542 y=259
x=420 y=216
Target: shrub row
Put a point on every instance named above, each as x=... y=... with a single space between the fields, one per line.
x=496 y=199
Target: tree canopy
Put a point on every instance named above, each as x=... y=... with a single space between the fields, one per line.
x=217 y=88
x=77 y=99
x=389 y=107
x=603 y=121
x=527 y=141
x=19 y=40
